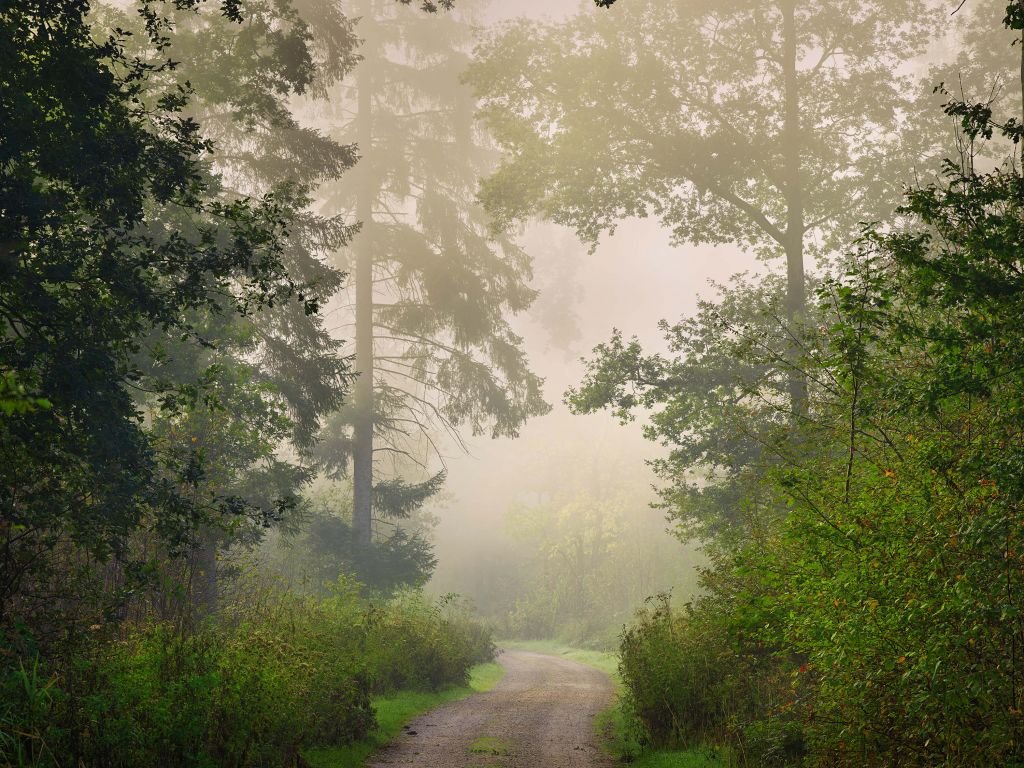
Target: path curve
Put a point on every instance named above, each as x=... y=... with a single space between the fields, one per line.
x=541 y=715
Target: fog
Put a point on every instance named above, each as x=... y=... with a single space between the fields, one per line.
x=364 y=356
x=632 y=281
x=653 y=268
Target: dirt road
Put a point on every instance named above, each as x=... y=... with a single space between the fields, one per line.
x=541 y=715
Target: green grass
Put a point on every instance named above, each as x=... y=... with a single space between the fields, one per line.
x=620 y=743
x=613 y=724
x=394 y=711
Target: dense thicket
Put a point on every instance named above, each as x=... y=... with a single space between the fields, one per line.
x=273 y=675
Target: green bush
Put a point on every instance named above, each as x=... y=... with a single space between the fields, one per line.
x=270 y=676
x=689 y=679
x=420 y=643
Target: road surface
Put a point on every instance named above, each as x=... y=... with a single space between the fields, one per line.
x=541 y=715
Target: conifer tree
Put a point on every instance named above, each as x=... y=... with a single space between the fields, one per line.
x=431 y=291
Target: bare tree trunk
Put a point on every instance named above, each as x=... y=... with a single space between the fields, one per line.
x=362 y=437
x=794 y=194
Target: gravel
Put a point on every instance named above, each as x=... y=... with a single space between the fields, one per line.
x=541 y=715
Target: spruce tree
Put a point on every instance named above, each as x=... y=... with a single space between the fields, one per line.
x=431 y=292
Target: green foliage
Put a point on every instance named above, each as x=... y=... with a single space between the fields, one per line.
x=16 y=399
x=273 y=675
x=161 y=289
x=904 y=554
x=689 y=680
x=91 y=173
x=450 y=288
x=427 y=645
x=879 y=619
x=617 y=726
x=316 y=546
x=718 y=402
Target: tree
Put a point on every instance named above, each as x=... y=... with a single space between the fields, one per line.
x=279 y=372
x=97 y=169
x=717 y=400
x=883 y=610
x=433 y=293
x=772 y=125
x=908 y=515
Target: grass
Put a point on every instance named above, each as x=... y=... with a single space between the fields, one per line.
x=489 y=745
x=613 y=724
x=396 y=710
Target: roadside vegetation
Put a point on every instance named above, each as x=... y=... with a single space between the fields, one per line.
x=845 y=442
x=272 y=677
x=395 y=710
x=182 y=579
x=865 y=606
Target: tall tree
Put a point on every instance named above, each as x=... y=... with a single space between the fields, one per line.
x=432 y=291
x=280 y=371
x=769 y=124
x=92 y=173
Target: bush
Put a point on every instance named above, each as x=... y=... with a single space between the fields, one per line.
x=688 y=679
x=272 y=675
x=420 y=643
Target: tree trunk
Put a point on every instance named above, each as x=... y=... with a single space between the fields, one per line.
x=362 y=437
x=794 y=196
x=204 y=574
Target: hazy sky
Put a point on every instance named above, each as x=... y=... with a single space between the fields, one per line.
x=632 y=281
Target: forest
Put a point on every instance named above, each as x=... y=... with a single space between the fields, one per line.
x=537 y=384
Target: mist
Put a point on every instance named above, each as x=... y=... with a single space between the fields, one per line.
x=461 y=382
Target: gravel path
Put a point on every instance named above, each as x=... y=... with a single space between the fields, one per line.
x=541 y=715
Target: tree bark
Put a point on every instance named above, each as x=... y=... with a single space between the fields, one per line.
x=794 y=195
x=362 y=433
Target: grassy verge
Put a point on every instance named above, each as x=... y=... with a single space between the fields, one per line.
x=613 y=724
x=396 y=710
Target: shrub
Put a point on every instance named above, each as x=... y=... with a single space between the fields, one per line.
x=269 y=676
x=426 y=644
x=688 y=679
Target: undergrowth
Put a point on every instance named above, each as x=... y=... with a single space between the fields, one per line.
x=268 y=677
